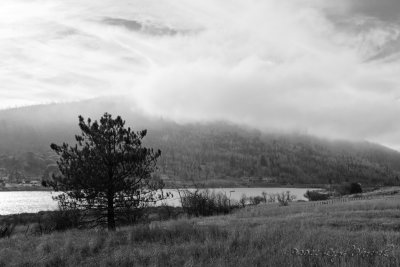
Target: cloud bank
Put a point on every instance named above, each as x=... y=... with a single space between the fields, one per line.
x=330 y=69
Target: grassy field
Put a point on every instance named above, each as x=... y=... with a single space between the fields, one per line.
x=354 y=233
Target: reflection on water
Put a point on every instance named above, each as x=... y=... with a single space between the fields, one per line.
x=35 y=201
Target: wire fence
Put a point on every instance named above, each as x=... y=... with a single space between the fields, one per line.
x=350 y=199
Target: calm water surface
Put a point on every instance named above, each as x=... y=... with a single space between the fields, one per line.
x=26 y=201
x=35 y=201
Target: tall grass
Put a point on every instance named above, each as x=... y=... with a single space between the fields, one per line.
x=266 y=235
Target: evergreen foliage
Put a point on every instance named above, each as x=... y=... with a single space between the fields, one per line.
x=212 y=153
x=108 y=170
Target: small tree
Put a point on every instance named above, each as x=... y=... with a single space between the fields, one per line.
x=243 y=200
x=264 y=195
x=108 y=170
x=355 y=188
x=285 y=198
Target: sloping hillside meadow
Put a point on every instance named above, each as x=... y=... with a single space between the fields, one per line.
x=353 y=233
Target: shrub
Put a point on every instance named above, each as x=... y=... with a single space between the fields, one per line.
x=349 y=188
x=264 y=196
x=284 y=198
x=256 y=200
x=204 y=203
x=243 y=200
x=60 y=220
x=355 y=188
x=64 y=220
x=272 y=198
x=7 y=230
x=316 y=195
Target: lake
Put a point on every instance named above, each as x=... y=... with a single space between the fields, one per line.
x=35 y=201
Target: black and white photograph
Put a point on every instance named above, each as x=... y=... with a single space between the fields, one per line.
x=200 y=133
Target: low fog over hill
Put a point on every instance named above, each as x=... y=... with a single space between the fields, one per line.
x=328 y=67
x=214 y=153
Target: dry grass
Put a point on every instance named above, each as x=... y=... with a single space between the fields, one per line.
x=265 y=235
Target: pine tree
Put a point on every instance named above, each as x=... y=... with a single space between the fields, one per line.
x=108 y=170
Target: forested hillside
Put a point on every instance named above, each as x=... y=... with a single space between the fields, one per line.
x=217 y=153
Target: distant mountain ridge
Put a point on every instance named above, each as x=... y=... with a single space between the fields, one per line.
x=214 y=153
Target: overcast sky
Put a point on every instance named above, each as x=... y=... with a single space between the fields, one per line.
x=329 y=68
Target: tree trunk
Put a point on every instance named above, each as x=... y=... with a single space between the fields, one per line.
x=110 y=213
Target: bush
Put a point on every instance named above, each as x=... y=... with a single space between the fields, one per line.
x=349 y=188
x=7 y=230
x=256 y=200
x=284 y=198
x=264 y=196
x=316 y=195
x=272 y=198
x=60 y=220
x=204 y=203
x=243 y=200
x=64 y=220
x=355 y=188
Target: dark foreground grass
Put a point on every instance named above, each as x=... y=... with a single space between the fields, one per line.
x=364 y=233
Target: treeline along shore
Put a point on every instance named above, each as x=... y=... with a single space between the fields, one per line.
x=188 y=185
x=218 y=154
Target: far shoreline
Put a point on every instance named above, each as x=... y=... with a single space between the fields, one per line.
x=26 y=189
x=211 y=186
x=183 y=186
